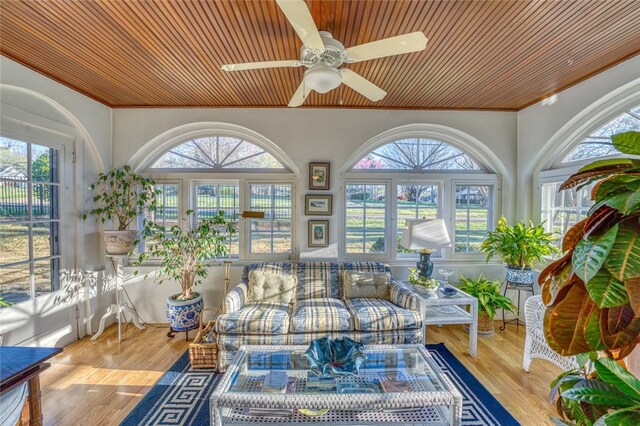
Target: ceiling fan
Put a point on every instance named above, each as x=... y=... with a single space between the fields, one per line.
x=323 y=55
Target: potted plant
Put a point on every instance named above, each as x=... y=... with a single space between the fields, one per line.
x=592 y=293
x=429 y=284
x=520 y=247
x=122 y=196
x=489 y=301
x=181 y=253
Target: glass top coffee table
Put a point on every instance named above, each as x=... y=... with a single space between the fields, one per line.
x=396 y=384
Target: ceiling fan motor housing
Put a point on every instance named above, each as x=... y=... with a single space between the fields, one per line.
x=331 y=55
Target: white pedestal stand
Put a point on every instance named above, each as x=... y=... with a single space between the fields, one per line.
x=119 y=309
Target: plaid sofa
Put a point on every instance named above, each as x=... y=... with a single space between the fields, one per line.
x=319 y=311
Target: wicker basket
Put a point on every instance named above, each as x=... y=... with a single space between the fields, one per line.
x=204 y=355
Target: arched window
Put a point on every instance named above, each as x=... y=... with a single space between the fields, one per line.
x=413 y=177
x=417 y=154
x=561 y=210
x=217 y=152
x=224 y=167
x=598 y=143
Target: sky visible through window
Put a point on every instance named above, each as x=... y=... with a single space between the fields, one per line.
x=598 y=143
x=217 y=152
x=417 y=154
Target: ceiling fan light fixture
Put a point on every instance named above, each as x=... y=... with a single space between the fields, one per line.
x=322 y=78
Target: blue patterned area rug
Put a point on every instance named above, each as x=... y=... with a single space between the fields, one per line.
x=181 y=396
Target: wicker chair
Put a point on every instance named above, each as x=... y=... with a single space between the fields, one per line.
x=535 y=345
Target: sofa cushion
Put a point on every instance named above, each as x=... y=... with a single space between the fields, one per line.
x=281 y=268
x=268 y=287
x=256 y=318
x=367 y=285
x=322 y=314
x=378 y=314
x=317 y=279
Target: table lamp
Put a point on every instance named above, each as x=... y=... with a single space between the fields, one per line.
x=426 y=236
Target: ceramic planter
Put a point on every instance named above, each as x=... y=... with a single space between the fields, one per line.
x=183 y=314
x=516 y=275
x=119 y=242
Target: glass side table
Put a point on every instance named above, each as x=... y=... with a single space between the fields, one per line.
x=460 y=308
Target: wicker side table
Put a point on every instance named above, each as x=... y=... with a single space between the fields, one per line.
x=445 y=310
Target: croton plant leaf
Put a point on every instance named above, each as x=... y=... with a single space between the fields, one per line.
x=574 y=235
x=619 y=329
x=606 y=290
x=625 y=202
x=590 y=254
x=569 y=318
x=633 y=290
x=623 y=417
x=599 y=220
x=627 y=142
x=614 y=185
x=555 y=277
x=599 y=169
x=612 y=373
x=623 y=262
x=598 y=393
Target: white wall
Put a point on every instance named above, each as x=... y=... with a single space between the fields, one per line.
x=35 y=101
x=520 y=140
x=545 y=129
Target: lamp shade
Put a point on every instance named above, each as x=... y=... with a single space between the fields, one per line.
x=425 y=234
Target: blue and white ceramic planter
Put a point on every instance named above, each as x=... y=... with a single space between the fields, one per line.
x=183 y=314
x=520 y=276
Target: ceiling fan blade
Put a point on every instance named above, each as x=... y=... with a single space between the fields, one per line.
x=406 y=43
x=261 y=65
x=362 y=85
x=300 y=18
x=300 y=96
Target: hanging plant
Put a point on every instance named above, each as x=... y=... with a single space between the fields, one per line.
x=593 y=292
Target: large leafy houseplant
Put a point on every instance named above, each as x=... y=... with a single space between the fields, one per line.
x=521 y=246
x=181 y=251
x=593 y=292
x=489 y=300
x=121 y=196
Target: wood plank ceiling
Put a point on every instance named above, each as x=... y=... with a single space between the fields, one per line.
x=496 y=55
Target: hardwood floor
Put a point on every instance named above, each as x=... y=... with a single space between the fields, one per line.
x=99 y=382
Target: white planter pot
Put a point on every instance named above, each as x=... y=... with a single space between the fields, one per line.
x=119 y=242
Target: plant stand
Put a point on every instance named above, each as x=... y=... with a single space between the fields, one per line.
x=119 y=309
x=171 y=333
x=519 y=288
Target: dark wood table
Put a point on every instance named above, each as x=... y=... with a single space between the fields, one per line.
x=19 y=364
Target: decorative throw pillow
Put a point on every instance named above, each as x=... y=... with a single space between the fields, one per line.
x=366 y=285
x=266 y=287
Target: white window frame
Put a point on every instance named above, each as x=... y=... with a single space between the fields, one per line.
x=67 y=232
x=492 y=219
x=446 y=208
x=439 y=215
x=388 y=221
x=192 y=203
x=245 y=194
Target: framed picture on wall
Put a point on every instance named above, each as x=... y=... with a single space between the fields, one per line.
x=318 y=233
x=318 y=205
x=319 y=176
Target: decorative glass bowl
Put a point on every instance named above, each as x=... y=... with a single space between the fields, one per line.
x=449 y=291
x=335 y=357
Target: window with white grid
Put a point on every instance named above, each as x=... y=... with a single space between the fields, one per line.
x=29 y=220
